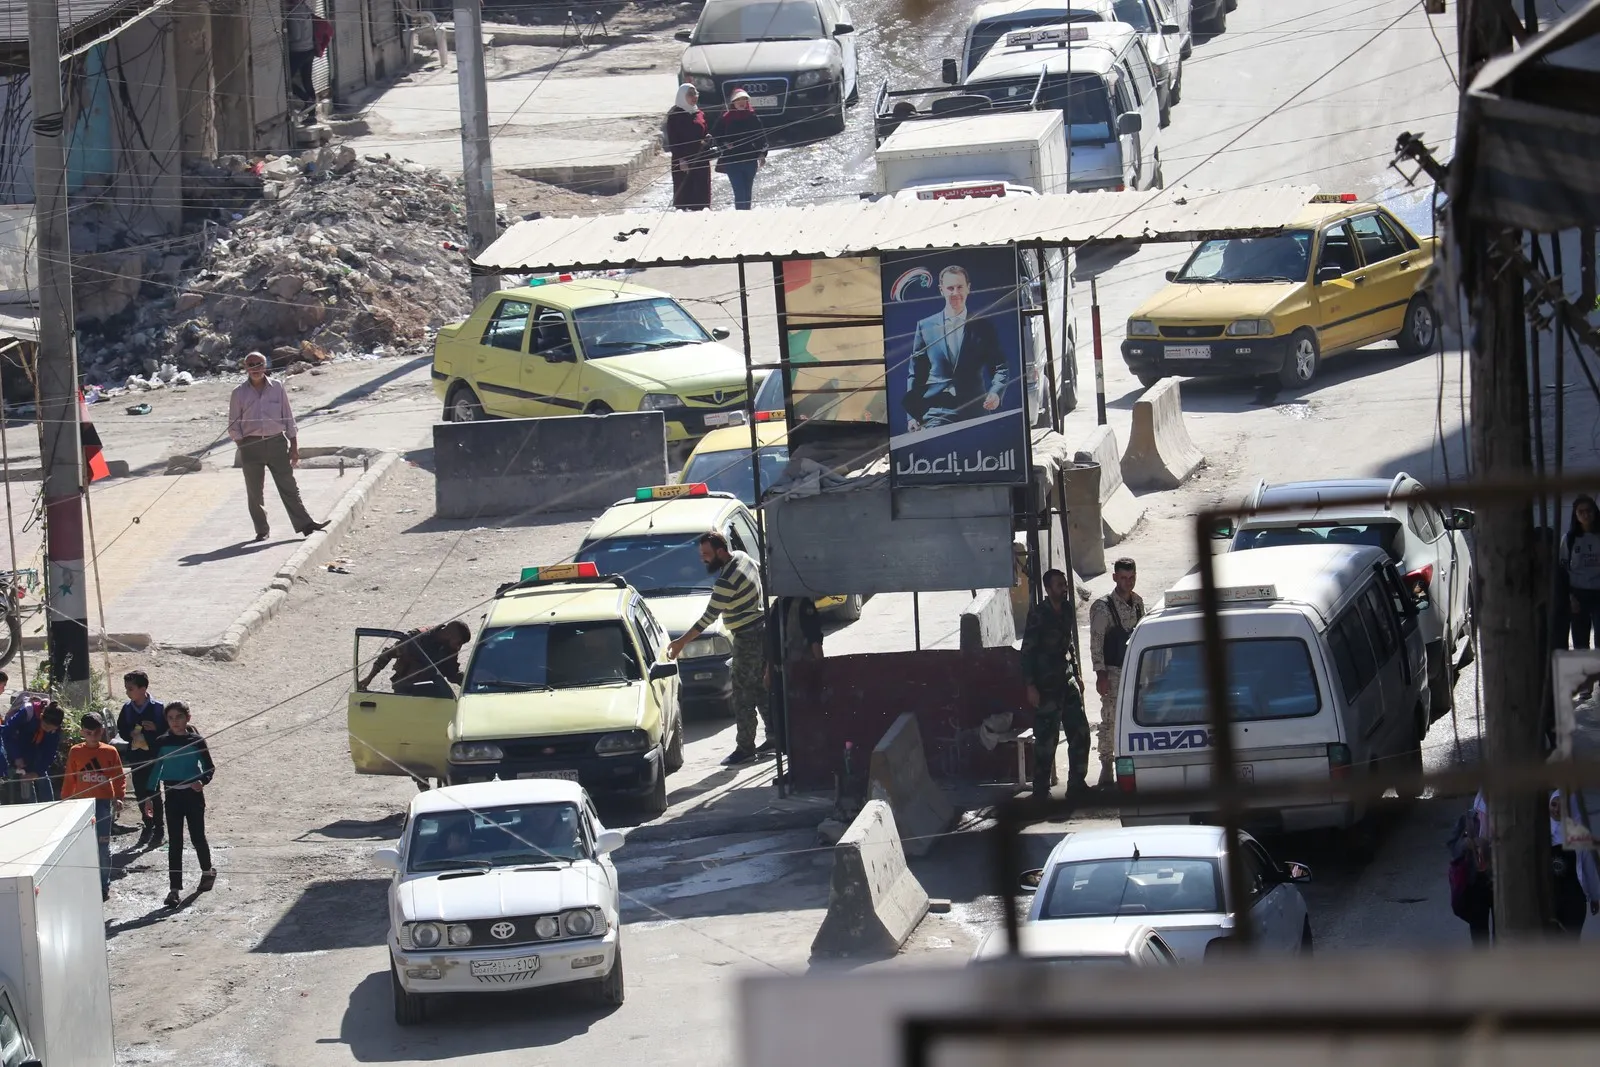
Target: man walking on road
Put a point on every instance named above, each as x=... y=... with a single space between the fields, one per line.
x=1111 y=621
x=1052 y=677
x=736 y=596
x=261 y=423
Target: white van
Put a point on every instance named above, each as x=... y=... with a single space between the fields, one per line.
x=1327 y=676
x=1101 y=77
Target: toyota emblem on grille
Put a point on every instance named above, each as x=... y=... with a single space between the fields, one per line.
x=502 y=931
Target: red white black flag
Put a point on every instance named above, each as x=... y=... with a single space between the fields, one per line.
x=93 y=457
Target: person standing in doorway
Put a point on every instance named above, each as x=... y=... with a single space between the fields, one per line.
x=1111 y=622
x=1580 y=563
x=794 y=633
x=94 y=772
x=261 y=422
x=741 y=147
x=141 y=723
x=1053 y=689
x=736 y=597
x=184 y=769
x=689 y=143
x=299 y=25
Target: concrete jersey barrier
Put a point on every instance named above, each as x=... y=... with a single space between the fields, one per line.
x=899 y=775
x=1120 y=511
x=1160 y=454
x=562 y=463
x=989 y=621
x=1081 y=488
x=874 y=901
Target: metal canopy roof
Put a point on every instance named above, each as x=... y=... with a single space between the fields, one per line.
x=860 y=227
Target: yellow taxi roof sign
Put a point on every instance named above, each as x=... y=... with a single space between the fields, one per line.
x=560 y=572
x=1334 y=198
x=670 y=492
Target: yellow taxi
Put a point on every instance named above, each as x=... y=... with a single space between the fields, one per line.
x=586 y=346
x=568 y=678
x=1343 y=275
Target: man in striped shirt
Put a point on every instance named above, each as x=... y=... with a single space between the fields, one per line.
x=736 y=596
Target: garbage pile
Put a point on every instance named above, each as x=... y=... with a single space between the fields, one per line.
x=339 y=256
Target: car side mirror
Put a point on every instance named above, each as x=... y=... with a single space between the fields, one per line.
x=1169 y=28
x=1223 y=530
x=950 y=73
x=1031 y=879
x=608 y=842
x=721 y=333
x=1460 y=519
x=1172 y=275
x=666 y=669
x=684 y=35
x=1328 y=273
x=843 y=28
x=1297 y=872
x=388 y=858
x=1129 y=122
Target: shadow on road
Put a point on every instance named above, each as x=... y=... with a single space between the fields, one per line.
x=217 y=555
x=384 y=829
x=343 y=913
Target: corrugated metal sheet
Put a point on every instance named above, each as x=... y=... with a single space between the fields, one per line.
x=858 y=227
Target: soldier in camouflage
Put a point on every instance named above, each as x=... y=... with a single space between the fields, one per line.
x=1052 y=676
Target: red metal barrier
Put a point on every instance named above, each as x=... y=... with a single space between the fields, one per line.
x=857 y=698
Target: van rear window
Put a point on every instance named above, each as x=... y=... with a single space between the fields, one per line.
x=1268 y=678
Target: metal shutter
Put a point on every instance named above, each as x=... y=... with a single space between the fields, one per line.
x=320 y=68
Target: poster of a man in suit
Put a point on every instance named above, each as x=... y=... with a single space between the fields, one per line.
x=953 y=333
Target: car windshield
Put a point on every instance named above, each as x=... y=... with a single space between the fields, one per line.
x=1268 y=678
x=626 y=326
x=562 y=655
x=1127 y=886
x=729 y=472
x=496 y=837
x=731 y=21
x=1082 y=100
x=1384 y=535
x=1284 y=257
x=656 y=565
x=988 y=33
x=1135 y=13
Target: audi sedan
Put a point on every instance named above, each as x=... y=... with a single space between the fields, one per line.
x=796 y=59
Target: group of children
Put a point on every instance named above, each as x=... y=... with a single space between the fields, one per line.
x=168 y=762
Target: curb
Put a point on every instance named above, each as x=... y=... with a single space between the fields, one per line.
x=316 y=550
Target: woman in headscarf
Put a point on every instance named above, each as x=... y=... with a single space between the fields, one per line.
x=689 y=143
x=741 y=145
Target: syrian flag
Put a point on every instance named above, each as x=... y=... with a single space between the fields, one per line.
x=93 y=457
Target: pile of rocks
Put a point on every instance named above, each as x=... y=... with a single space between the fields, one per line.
x=338 y=256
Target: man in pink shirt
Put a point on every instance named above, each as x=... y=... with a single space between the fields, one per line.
x=261 y=422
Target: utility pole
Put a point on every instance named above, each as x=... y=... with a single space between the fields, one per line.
x=477 y=168
x=1512 y=662
x=65 y=603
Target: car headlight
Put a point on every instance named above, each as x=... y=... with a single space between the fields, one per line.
x=426 y=935
x=460 y=935
x=1250 y=328
x=807 y=78
x=547 y=926
x=578 y=923
x=659 y=402
x=712 y=645
x=476 y=752
x=622 y=743
x=702 y=82
x=1141 y=328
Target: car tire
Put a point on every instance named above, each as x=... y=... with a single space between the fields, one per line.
x=1158 y=180
x=850 y=610
x=1166 y=111
x=1420 y=329
x=673 y=760
x=463 y=405
x=410 y=1009
x=1441 y=680
x=1176 y=96
x=1219 y=19
x=611 y=989
x=599 y=407
x=1469 y=638
x=1147 y=380
x=833 y=122
x=1300 y=361
x=1410 y=761
x=655 y=803
x=1307 y=942
x=1188 y=49
x=855 y=94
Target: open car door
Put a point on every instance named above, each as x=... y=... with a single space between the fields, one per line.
x=391 y=734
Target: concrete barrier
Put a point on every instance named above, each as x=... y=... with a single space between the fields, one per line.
x=1160 y=454
x=1081 y=486
x=1120 y=512
x=563 y=463
x=899 y=775
x=874 y=901
x=988 y=621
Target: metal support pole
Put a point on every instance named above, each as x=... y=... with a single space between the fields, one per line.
x=916 y=619
x=1052 y=403
x=11 y=525
x=67 y=606
x=99 y=598
x=476 y=162
x=1099 y=350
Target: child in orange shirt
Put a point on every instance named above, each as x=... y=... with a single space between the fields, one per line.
x=94 y=772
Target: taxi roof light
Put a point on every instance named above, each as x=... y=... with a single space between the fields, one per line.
x=1334 y=198
x=670 y=492
x=770 y=416
x=1238 y=594
x=547 y=280
x=560 y=572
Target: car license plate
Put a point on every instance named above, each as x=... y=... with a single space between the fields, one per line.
x=517 y=965
x=565 y=776
x=702 y=676
x=763 y=101
x=1188 y=352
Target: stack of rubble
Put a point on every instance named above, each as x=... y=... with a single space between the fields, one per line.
x=338 y=256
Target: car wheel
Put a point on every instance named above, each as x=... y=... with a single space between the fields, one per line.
x=656 y=802
x=1147 y=380
x=1188 y=48
x=1441 y=680
x=850 y=610
x=855 y=94
x=1307 y=943
x=1300 y=361
x=409 y=1008
x=1166 y=111
x=1157 y=179
x=1176 y=96
x=673 y=760
x=1421 y=328
x=1469 y=639
x=599 y=407
x=612 y=988
x=833 y=122
x=464 y=406
x=1233 y=4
